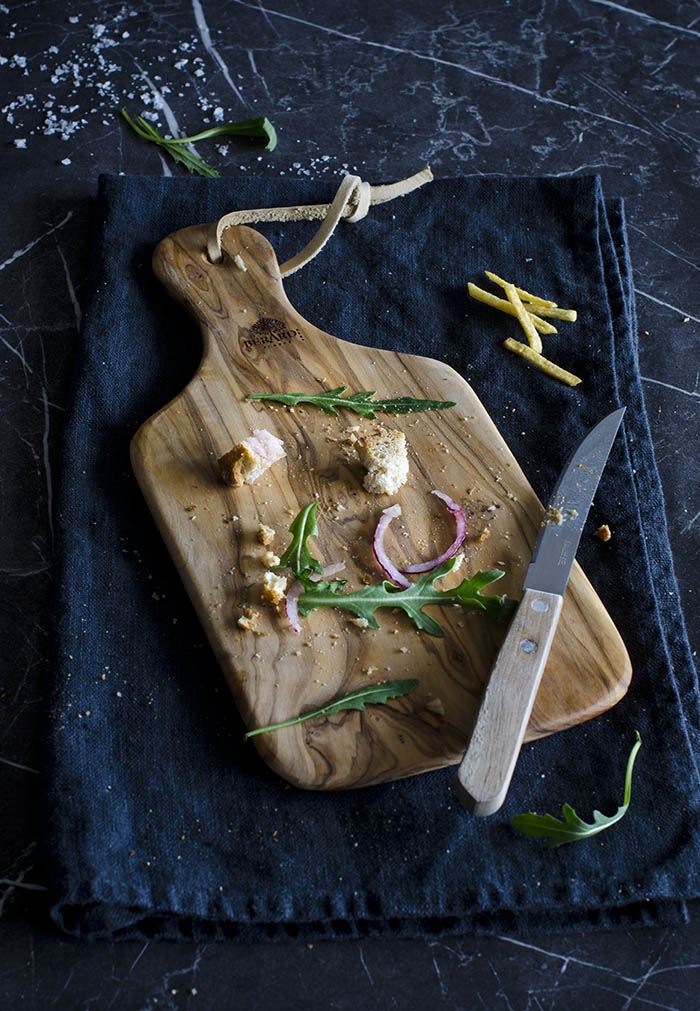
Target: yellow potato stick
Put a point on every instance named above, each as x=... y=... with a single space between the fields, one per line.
x=524 y=317
x=525 y=295
x=555 y=312
x=542 y=363
x=541 y=325
x=505 y=306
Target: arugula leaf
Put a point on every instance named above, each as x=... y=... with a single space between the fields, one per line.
x=361 y=403
x=412 y=600
x=572 y=827
x=297 y=557
x=260 y=127
x=373 y=694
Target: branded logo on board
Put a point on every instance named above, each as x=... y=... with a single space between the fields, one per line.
x=270 y=332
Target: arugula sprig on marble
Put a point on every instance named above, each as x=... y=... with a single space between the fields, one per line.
x=573 y=828
x=361 y=403
x=260 y=128
x=372 y=695
x=365 y=601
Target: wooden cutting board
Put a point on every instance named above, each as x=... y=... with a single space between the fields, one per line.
x=255 y=341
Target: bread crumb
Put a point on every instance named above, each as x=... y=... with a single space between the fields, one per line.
x=273 y=588
x=553 y=515
x=270 y=559
x=435 y=706
x=266 y=535
x=245 y=463
x=250 y=620
x=383 y=454
x=240 y=263
x=360 y=622
x=603 y=533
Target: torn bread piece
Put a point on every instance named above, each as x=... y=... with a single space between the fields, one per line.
x=250 y=458
x=273 y=589
x=383 y=453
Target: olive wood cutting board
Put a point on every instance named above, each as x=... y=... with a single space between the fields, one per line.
x=255 y=342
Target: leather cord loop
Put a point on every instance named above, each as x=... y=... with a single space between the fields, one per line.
x=352 y=202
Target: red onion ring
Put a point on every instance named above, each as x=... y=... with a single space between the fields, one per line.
x=290 y=604
x=380 y=554
x=461 y=524
x=296 y=589
x=328 y=570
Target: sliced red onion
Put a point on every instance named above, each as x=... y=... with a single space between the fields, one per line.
x=461 y=524
x=296 y=589
x=380 y=554
x=328 y=571
x=290 y=604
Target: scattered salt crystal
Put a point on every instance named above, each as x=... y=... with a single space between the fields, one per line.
x=20 y=142
x=181 y=64
x=98 y=31
x=218 y=114
x=73 y=19
x=65 y=161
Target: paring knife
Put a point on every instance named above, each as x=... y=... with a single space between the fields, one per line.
x=484 y=775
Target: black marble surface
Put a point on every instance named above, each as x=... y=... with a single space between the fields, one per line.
x=541 y=87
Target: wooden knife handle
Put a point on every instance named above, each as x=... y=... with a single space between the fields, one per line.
x=484 y=775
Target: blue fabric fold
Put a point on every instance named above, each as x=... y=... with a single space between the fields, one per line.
x=157 y=819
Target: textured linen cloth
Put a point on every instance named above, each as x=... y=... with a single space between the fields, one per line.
x=158 y=820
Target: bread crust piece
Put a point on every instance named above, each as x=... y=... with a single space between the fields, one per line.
x=250 y=458
x=240 y=466
x=383 y=453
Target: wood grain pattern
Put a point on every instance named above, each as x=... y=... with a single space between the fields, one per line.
x=255 y=341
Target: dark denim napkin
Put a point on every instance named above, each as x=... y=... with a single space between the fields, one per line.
x=158 y=819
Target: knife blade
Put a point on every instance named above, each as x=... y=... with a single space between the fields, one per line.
x=484 y=775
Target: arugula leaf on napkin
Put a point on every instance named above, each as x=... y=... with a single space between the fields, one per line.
x=373 y=694
x=260 y=128
x=573 y=828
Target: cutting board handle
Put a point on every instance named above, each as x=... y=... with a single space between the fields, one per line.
x=245 y=287
x=250 y=331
